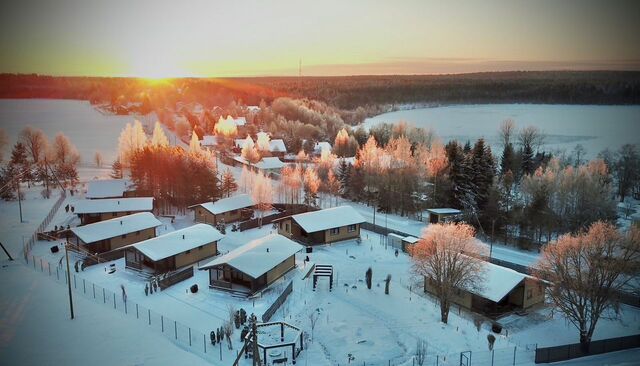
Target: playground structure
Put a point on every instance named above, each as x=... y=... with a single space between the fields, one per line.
x=273 y=340
x=323 y=270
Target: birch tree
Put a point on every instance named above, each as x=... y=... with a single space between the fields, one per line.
x=586 y=271
x=445 y=257
x=159 y=139
x=262 y=192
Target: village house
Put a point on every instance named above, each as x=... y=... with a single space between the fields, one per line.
x=269 y=165
x=108 y=235
x=174 y=250
x=501 y=291
x=253 y=266
x=108 y=188
x=277 y=147
x=323 y=226
x=405 y=243
x=225 y=210
x=440 y=215
x=209 y=142
x=90 y=211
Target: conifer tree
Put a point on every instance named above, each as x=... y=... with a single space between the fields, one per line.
x=228 y=184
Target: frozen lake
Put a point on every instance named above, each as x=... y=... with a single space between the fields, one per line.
x=596 y=127
x=89 y=129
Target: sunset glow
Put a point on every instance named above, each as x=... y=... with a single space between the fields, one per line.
x=254 y=38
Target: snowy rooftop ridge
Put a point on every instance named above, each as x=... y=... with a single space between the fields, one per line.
x=227 y=204
x=444 y=211
x=498 y=282
x=114 y=205
x=175 y=242
x=277 y=145
x=107 y=188
x=328 y=218
x=258 y=256
x=115 y=227
x=269 y=163
x=209 y=140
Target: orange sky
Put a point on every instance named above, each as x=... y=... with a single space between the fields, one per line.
x=253 y=38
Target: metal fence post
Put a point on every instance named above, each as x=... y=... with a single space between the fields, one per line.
x=93 y=286
x=41 y=269
x=204 y=341
x=189 y=336
x=104 y=296
x=74 y=282
x=57 y=274
x=162 y=322
x=84 y=288
x=492 y=354
x=49 y=266
x=175 y=328
x=137 y=317
x=114 y=300
x=149 y=311
x=514 y=355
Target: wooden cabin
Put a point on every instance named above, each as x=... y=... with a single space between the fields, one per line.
x=253 y=266
x=438 y=215
x=226 y=210
x=112 y=234
x=95 y=210
x=174 y=250
x=323 y=226
x=503 y=290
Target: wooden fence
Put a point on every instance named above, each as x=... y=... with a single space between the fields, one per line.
x=575 y=350
x=276 y=304
x=175 y=277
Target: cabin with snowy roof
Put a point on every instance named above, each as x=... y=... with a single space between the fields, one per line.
x=174 y=250
x=502 y=290
x=225 y=210
x=108 y=188
x=253 y=266
x=90 y=211
x=438 y=215
x=323 y=226
x=108 y=235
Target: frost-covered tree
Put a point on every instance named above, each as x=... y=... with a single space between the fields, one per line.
x=65 y=159
x=262 y=192
x=159 y=138
x=228 y=183
x=586 y=270
x=132 y=139
x=311 y=184
x=263 y=142
x=445 y=257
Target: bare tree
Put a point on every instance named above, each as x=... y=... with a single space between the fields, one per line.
x=313 y=319
x=530 y=136
x=227 y=329
x=97 y=158
x=421 y=352
x=506 y=131
x=585 y=272
x=445 y=257
x=262 y=192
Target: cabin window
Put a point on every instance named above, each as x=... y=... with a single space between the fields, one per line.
x=335 y=231
x=529 y=294
x=351 y=228
x=287 y=228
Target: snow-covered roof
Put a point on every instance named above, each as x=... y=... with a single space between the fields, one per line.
x=107 y=188
x=277 y=145
x=114 y=205
x=328 y=218
x=227 y=204
x=258 y=256
x=253 y=108
x=240 y=121
x=393 y=235
x=115 y=227
x=444 y=211
x=209 y=140
x=321 y=146
x=498 y=282
x=269 y=163
x=410 y=239
x=176 y=242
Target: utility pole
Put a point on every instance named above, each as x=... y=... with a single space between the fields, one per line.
x=19 y=198
x=256 y=352
x=66 y=254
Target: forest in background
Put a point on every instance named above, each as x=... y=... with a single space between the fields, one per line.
x=344 y=92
